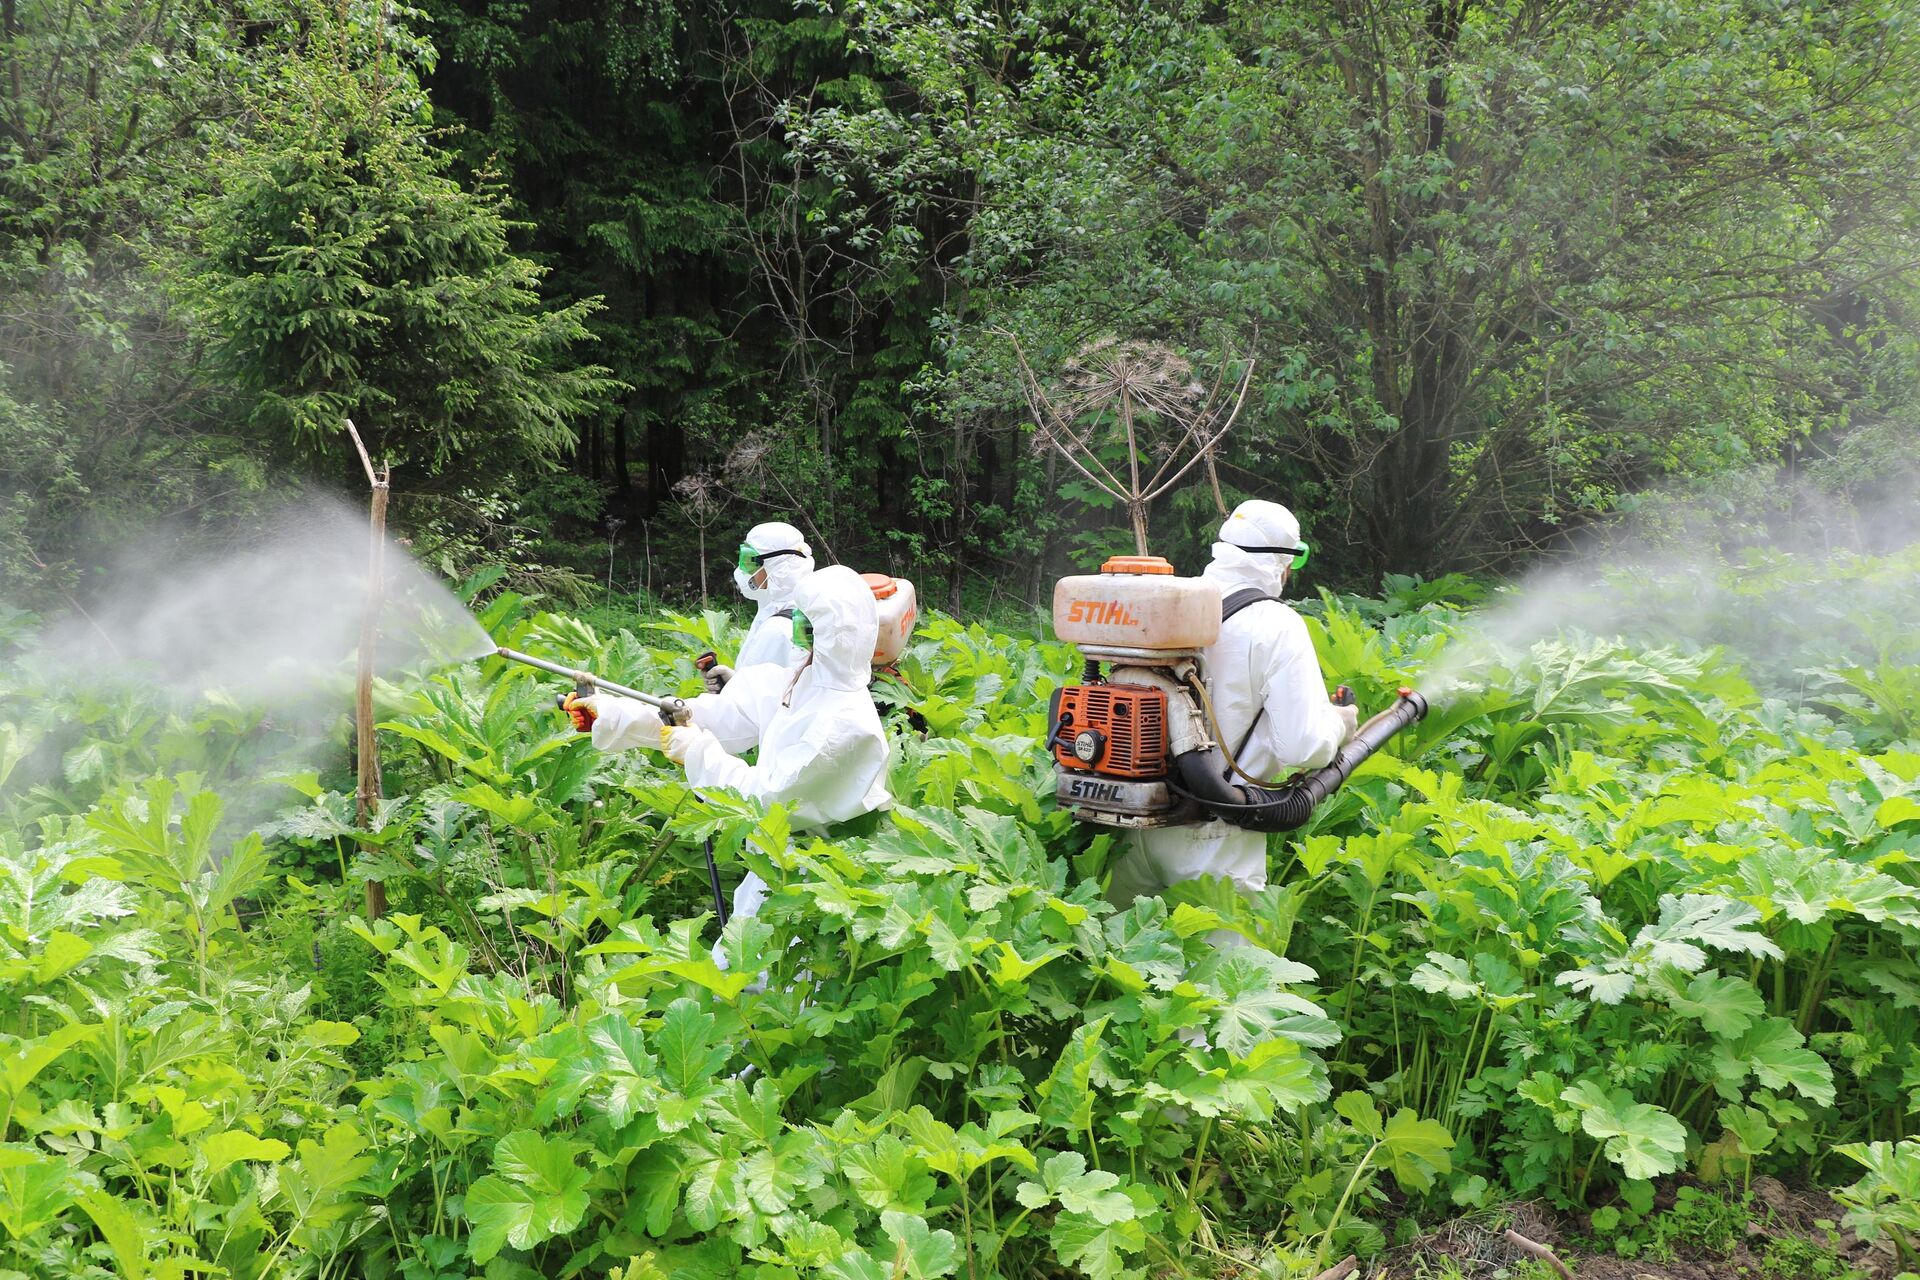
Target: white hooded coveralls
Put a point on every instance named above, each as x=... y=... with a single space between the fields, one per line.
x=1263 y=659
x=770 y=637
x=823 y=752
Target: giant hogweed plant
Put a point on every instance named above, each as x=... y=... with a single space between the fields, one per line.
x=1630 y=917
x=172 y=1100
x=1609 y=913
x=941 y=1022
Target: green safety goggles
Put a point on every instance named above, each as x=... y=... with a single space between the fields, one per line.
x=751 y=560
x=1299 y=553
x=802 y=630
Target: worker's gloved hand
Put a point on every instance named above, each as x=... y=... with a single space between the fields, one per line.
x=716 y=677
x=621 y=724
x=1349 y=721
x=583 y=711
x=682 y=740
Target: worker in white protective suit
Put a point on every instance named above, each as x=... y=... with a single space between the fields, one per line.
x=1272 y=707
x=822 y=752
x=773 y=560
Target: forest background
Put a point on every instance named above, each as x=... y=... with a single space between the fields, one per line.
x=609 y=280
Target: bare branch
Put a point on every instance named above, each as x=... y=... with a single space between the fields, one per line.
x=373 y=481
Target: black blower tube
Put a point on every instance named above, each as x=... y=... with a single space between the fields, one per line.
x=1201 y=776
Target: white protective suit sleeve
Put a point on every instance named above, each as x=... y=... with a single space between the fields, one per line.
x=737 y=713
x=831 y=781
x=1300 y=727
x=823 y=752
x=621 y=724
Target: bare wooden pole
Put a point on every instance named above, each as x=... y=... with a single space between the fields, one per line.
x=1534 y=1249
x=366 y=745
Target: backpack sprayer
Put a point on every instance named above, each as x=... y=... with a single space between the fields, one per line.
x=1137 y=745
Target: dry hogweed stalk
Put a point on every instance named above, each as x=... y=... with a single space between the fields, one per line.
x=702 y=501
x=1143 y=396
x=752 y=467
x=747 y=465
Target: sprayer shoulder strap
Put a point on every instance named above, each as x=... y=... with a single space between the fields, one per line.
x=1241 y=599
x=786 y=613
x=1228 y=607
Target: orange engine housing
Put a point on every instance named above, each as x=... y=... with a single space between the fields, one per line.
x=1130 y=721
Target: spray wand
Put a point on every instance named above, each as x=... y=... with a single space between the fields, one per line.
x=586 y=684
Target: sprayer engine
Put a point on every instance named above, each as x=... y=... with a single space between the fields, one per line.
x=1133 y=743
x=1115 y=733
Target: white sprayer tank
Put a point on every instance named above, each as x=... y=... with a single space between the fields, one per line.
x=899 y=607
x=1136 y=606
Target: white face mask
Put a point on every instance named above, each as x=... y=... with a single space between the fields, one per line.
x=744 y=580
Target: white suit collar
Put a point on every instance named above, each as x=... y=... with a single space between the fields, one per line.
x=1233 y=569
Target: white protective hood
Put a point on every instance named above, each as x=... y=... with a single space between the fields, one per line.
x=769 y=638
x=1254 y=523
x=822 y=752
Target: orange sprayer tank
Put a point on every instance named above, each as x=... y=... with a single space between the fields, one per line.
x=1136 y=603
x=899 y=609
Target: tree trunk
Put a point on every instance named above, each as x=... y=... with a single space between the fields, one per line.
x=622 y=479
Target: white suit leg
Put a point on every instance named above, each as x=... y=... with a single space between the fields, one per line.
x=1135 y=873
x=748 y=897
x=1166 y=856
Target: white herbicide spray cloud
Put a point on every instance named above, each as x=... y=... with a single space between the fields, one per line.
x=273 y=622
x=1795 y=578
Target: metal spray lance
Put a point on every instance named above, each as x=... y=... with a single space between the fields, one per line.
x=586 y=684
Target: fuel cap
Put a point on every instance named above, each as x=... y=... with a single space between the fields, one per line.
x=1087 y=744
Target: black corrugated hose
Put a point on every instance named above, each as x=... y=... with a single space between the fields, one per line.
x=1200 y=776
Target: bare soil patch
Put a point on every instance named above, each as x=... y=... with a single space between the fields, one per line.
x=1478 y=1248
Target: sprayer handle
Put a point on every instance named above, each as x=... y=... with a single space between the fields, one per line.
x=1343 y=697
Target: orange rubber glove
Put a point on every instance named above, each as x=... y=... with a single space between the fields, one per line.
x=581 y=711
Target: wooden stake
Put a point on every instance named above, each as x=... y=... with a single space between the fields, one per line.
x=1533 y=1249
x=366 y=745
x=1346 y=1267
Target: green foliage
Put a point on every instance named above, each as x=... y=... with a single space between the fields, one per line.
x=343 y=273
x=212 y=255
x=1618 y=915
x=1788 y=1257
x=1886 y=1200
x=107 y=425
x=1484 y=302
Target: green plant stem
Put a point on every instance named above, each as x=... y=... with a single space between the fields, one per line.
x=993 y=1259
x=1340 y=1209
x=1817 y=985
x=1199 y=1155
x=1586 y=1174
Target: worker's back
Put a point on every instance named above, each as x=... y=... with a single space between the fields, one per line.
x=1269 y=703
